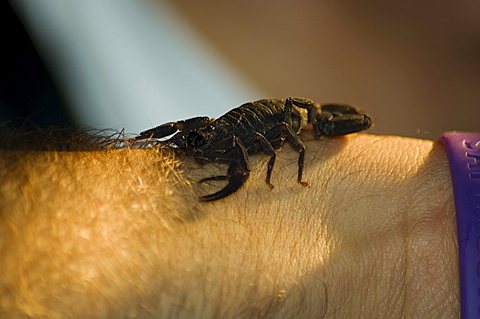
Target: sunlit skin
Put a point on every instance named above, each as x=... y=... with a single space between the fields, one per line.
x=122 y=233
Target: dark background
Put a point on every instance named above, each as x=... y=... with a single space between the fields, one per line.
x=28 y=96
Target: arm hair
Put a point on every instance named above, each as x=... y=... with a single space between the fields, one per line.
x=120 y=233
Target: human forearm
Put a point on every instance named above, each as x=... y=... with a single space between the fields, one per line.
x=105 y=233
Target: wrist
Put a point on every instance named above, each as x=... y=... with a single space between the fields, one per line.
x=387 y=213
x=407 y=245
x=376 y=231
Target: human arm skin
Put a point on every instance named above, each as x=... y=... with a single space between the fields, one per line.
x=122 y=234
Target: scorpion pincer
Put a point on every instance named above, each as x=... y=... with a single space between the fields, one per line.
x=260 y=126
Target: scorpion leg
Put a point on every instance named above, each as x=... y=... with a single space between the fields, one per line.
x=283 y=129
x=266 y=147
x=340 y=119
x=238 y=171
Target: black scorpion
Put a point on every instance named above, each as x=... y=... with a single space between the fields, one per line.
x=260 y=126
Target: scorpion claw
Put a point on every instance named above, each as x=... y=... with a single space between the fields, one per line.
x=236 y=178
x=214 y=178
x=159 y=131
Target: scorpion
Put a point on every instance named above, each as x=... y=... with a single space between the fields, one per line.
x=259 y=126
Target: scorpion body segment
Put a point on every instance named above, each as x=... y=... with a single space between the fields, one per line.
x=259 y=126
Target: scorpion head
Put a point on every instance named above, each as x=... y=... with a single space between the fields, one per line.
x=197 y=143
x=195 y=140
x=207 y=144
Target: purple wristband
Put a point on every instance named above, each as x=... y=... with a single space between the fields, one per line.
x=463 y=150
